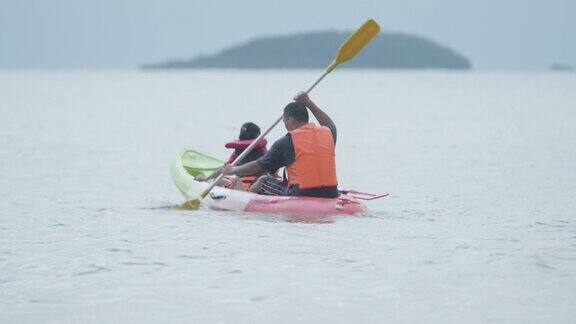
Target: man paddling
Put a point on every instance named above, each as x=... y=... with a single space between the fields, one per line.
x=307 y=152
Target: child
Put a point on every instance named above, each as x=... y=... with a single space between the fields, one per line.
x=248 y=133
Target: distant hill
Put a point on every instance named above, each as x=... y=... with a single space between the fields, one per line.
x=561 y=67
x=316 y=50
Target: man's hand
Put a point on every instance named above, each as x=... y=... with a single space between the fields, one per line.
x=322 y=118
x=303 y=99
x=228 y=170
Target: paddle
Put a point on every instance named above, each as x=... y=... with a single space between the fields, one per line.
x=351 y=46
x=363 y=195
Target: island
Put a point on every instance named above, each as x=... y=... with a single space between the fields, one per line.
x=561 y=67
x=315 y=50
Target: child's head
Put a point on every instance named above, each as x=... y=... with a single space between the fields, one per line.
x=249 y=131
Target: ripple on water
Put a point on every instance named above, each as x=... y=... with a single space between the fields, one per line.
x=132 y=263
x=93 y=269
x=119 y=250
x=194 y=257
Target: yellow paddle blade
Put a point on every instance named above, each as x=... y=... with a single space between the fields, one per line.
x=355 y=43
x=193 y=204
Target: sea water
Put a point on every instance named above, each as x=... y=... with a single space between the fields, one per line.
x=480 y=224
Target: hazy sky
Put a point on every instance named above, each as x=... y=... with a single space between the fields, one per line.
x=494 y=34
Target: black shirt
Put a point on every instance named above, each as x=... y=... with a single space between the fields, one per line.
x=282 y=154
x=252 y=156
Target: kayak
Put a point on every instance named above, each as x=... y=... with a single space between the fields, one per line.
x=190 y=163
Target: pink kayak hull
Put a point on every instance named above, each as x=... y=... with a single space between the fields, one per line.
x=342 y=205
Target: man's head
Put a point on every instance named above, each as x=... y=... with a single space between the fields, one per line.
x=249 y=131
x=295 y=115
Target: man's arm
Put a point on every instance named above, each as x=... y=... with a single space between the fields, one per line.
x=246 y=169
x=323 y=118
x=211 y=176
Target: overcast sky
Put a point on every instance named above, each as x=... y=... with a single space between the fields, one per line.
x=493 y=34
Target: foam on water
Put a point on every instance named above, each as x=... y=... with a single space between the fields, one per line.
x=480 y=225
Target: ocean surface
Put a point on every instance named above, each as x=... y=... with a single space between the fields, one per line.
x=480 y=225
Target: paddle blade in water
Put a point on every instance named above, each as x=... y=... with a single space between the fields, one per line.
x=355 y=43
x=192 y=204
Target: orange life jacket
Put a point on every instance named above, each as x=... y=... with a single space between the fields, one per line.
x=314 y=165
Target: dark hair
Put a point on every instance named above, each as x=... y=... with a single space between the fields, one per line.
x=249 y=131
x=296 y=111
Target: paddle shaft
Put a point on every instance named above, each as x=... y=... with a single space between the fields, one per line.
x=255 y=142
